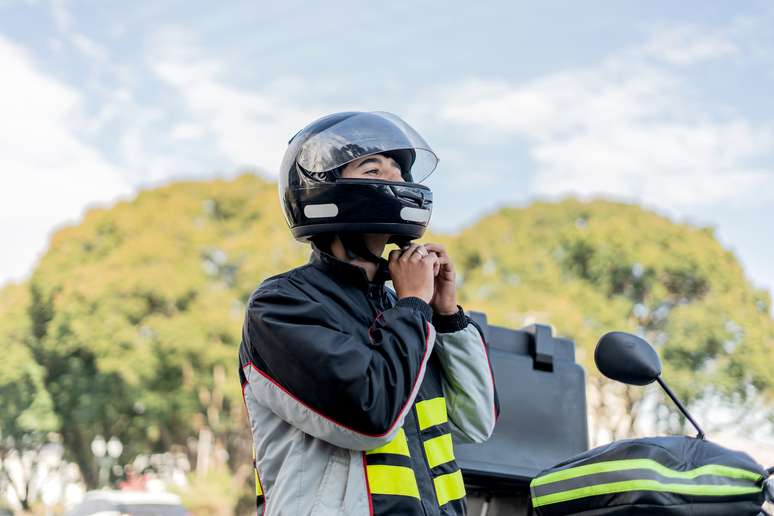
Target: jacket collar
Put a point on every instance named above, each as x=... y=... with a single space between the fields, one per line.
x=346 y=271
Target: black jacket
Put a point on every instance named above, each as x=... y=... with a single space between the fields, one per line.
x=353 y=395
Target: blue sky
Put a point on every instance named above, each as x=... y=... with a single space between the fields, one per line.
x=667 y=104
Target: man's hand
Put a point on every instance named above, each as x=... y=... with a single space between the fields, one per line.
x=444 y=300
x=412 y=270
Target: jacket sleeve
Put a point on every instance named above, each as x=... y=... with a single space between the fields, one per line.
x=325 y=380
x=468 y=381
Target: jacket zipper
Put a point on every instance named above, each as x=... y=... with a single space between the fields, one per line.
x=372 y=297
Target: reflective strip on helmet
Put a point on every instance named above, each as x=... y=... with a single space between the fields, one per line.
x=414 y=214
x=320 y=211
x=449 y=487
x=439 y=450
x=642 y=485
x=392 y=480
x=398 y=446
x=431 y=412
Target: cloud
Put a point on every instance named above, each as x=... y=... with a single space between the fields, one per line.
x=63 y=20
x=622 y=127
x=117 y=103
x=55 y=154
x=49 y=175
x=248 y=127
x=688 y=45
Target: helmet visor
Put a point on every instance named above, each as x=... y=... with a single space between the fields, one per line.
x=362 y=135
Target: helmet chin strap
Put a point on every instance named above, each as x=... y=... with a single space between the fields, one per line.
x=356 y=248
x=400 y=241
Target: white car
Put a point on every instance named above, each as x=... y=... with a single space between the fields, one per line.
x=128 y=503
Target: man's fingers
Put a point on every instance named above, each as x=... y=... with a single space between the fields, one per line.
x=407 y=252
x=436 y=248
x=394 y=255
x=439 y=251
x=443 y=258
x=416 y=252
x=432 y=259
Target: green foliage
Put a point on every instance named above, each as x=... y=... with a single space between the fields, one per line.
x=27 y=414
x=589 y=268
x=26 y=406
x=133 y=312
x=131 y=322
x=217 y=494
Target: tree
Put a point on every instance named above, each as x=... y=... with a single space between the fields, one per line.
x=131 y=321
x=592 y=267
x=136 y=314
x=26 y=414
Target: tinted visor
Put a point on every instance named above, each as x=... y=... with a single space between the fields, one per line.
x=362 y=135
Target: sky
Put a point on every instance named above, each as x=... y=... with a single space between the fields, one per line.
x=664 y=104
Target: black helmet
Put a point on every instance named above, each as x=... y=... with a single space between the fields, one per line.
x=317 y=201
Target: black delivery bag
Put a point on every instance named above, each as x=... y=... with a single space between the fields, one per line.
x=675 y=476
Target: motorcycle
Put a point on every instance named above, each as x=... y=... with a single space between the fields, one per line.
x=673 y=476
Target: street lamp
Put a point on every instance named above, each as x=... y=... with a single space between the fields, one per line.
x=114 y=448
x=107 y=454
x=98 y=446
x=99 y=449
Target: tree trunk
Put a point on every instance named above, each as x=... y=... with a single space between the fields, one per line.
x=83 y=458
x=203 y=451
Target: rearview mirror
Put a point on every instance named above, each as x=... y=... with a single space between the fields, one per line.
x=627 y=358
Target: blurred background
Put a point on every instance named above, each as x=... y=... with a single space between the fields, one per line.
x=604 y=165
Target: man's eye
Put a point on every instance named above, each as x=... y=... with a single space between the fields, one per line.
x=372 y=171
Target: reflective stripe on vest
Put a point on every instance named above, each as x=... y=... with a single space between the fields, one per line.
x=439 y=450
x=392 y=480
x=398 y=446
x=449 y=487
x=431 y=412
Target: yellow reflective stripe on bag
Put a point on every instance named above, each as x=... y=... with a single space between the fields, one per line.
x=431 y=412
x=392 y=480
x=449 y=487
x=398 y=446
x=439 y=450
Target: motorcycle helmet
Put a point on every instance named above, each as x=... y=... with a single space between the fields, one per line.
x=316 y=200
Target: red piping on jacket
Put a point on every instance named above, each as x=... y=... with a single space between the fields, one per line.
x=244 y=386
x=392 y=425
x=491 y=375
x=255 y=465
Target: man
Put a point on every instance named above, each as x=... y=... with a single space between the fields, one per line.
x=354 y=391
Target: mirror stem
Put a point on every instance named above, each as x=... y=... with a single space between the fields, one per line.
x=680 y=406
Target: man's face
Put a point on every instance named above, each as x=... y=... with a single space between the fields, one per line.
x=375 y=166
